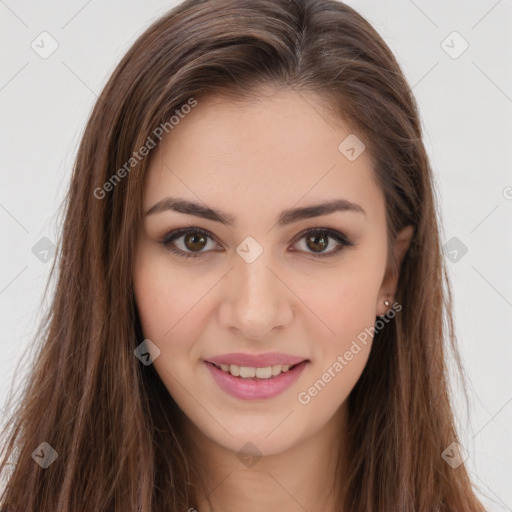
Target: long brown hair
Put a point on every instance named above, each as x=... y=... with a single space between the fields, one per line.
x=109 y=418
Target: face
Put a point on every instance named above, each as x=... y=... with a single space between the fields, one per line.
x=257 y=281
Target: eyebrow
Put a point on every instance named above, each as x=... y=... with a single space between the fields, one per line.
x=286 y=217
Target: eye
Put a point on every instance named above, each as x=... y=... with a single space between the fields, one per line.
x=318 y=240
x=196 y=239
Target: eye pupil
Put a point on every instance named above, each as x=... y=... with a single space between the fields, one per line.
x=194 y=237
x=323 y=237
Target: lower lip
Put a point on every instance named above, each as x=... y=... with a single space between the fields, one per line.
x=254 y=388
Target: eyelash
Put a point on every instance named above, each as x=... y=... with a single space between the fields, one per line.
x=178 y=233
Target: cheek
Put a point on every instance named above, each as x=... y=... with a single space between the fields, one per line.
x=347 y=307
x=165 y=305
x=344 y=302
x=152 y=295
x=171 y=305
x=339 y=357
x=164 y=295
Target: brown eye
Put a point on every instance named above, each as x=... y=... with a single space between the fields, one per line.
x=191 y=242
x=187 y=242
x=194 y=242
x=317 y=242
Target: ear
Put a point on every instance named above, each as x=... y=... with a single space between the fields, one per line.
x=390 y=281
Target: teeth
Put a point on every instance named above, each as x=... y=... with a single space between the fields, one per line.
x=264 y=373
x=247 y=372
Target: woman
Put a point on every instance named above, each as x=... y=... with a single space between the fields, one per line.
x=249 y=305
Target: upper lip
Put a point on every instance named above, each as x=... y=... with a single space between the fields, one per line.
x=256 y=360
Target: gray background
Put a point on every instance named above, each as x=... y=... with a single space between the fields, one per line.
x=466 y=106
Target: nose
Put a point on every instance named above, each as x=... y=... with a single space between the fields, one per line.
x=256 y=299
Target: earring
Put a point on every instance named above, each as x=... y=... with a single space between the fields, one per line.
x=386 y=303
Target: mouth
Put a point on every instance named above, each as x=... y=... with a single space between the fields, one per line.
x=255 y=382
x=255 y=373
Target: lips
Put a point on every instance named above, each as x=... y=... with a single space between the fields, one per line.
x=256 y=360
x=255 y=388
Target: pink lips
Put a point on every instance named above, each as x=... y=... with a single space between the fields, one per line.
x=255 y=388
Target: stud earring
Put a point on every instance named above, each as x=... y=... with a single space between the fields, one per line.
x=387 y=304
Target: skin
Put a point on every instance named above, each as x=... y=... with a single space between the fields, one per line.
x=252 y=160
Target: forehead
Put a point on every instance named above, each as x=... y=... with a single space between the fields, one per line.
x=271 y=153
